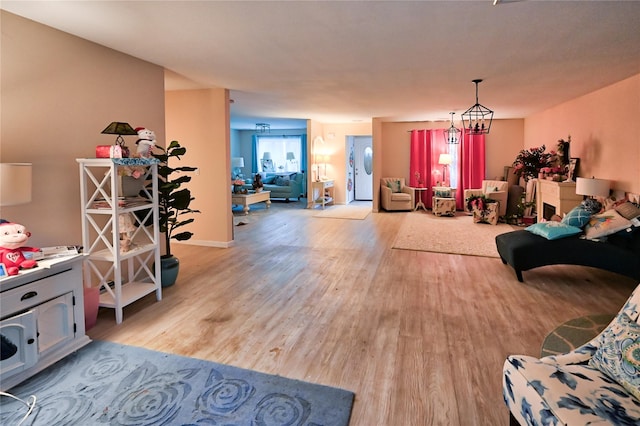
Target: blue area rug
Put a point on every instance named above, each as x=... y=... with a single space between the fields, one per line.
x=107 y=383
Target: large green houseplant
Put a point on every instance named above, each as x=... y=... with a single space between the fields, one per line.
x=174 y=203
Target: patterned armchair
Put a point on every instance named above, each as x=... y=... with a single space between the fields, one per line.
x=495 y=189
x=596 y=384
x=395 y=195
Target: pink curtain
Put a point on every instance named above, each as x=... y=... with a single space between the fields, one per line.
x=471 y=170
x=426 y=147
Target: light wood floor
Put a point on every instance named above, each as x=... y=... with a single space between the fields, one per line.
x=419 y=337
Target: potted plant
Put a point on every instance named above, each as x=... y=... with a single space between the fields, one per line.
x=174 y=202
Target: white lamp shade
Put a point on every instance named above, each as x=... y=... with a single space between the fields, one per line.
x=266 y=156
x=290 y=156
x=15 y=183
x=445 y=159
x=592 y=187
x=237 y=162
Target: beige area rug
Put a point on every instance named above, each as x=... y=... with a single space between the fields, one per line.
x=344 y=212
x=422 y=231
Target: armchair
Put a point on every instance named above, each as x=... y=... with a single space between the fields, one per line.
x=495 y=189
x=598 y=383
x=395 y=195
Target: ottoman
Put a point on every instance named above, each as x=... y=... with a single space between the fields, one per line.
x=444 y=206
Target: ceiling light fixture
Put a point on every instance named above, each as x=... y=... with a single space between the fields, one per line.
x=475 y=118
x=263 y=128
x=452 y=134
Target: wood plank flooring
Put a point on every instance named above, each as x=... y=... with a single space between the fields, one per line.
x=419 y=337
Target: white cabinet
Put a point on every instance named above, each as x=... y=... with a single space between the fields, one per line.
x=42 y=317
x=322 y=193
x=120 y=235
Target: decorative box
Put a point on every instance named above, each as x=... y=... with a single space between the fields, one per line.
x=108 y=151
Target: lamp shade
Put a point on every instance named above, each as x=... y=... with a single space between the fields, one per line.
x=592 y=187
x=290 y=156
x=445 y=159
x=266 y=156
x=15 y=183
x=119 y=128
x=237 y=162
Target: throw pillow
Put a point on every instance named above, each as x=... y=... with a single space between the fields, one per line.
x=394 y=185
x=269 y=180
x=282 y=181
x=553 y=230
x=618 y=355
x=603 y=224
x=628 y=210
x=578 y=216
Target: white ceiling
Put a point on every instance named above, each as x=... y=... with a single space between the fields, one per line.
x=349 y=61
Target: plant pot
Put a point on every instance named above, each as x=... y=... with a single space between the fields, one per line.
x=169 y=268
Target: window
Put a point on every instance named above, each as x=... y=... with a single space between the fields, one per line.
x=283 y=153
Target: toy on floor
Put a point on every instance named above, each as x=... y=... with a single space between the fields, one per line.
x=13 y=236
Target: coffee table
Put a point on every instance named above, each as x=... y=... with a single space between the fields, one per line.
x=245 y=200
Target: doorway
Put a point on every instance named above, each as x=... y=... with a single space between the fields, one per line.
x=359 y=168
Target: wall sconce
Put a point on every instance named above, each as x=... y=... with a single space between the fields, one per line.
x=477 y=116
x=15 y=183
x=445 y=160
x=237 y=163
x=119 y=128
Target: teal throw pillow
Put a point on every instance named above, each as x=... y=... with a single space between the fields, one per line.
x=619 y=354
x=442 y=192
x=282 y=181
x=578 y=217
x=394 y=185
x=553 y=230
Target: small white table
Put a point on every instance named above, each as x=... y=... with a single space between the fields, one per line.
x=322 y=193
x=418 y=192
x=245 y=200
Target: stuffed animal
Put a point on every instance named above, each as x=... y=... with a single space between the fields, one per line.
x=145 y=143
x=13 y=236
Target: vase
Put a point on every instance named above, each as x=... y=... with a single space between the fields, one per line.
x=169 y=268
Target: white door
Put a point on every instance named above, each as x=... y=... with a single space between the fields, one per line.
x=363 y=153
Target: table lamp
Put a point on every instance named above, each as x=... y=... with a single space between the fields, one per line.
x=444 y=160
x=237 y=163
x=593 y=188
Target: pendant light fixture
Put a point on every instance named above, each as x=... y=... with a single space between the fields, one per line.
x=477 y=119
x=452 y=134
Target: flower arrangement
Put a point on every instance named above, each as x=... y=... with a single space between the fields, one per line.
x=418 y=178
x=479 y=202
x=529 y=162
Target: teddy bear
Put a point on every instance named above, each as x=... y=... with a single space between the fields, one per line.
x=13 y=236
x=146 y=142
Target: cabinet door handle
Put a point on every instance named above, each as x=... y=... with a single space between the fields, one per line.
x=29 y=295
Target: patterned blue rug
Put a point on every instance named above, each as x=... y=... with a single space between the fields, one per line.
x=107 y=383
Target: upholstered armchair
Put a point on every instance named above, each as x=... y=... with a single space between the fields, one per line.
x=495 y=189
x=395 y=195
x=596 y=384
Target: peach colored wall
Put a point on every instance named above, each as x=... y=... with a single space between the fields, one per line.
x=58 y=92
x=199 y=120
x=604 y=129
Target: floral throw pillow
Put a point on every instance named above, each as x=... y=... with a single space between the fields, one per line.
x=603 y=224
x=619 y=354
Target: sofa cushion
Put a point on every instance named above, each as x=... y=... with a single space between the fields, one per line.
x=394 y=185
x=553 y=230
x=619 y=353
x=269 y=180
x=442 y=192
x=400 y=196
x=578 y=216
x=603 y=224
x=545 y=393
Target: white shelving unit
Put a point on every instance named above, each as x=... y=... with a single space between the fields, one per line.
x=122 y=276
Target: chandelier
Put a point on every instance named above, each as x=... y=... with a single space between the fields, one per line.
x=477 y=119
x=452 y=133
x=263 y=128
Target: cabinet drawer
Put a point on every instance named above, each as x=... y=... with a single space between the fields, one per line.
x=37 y=292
